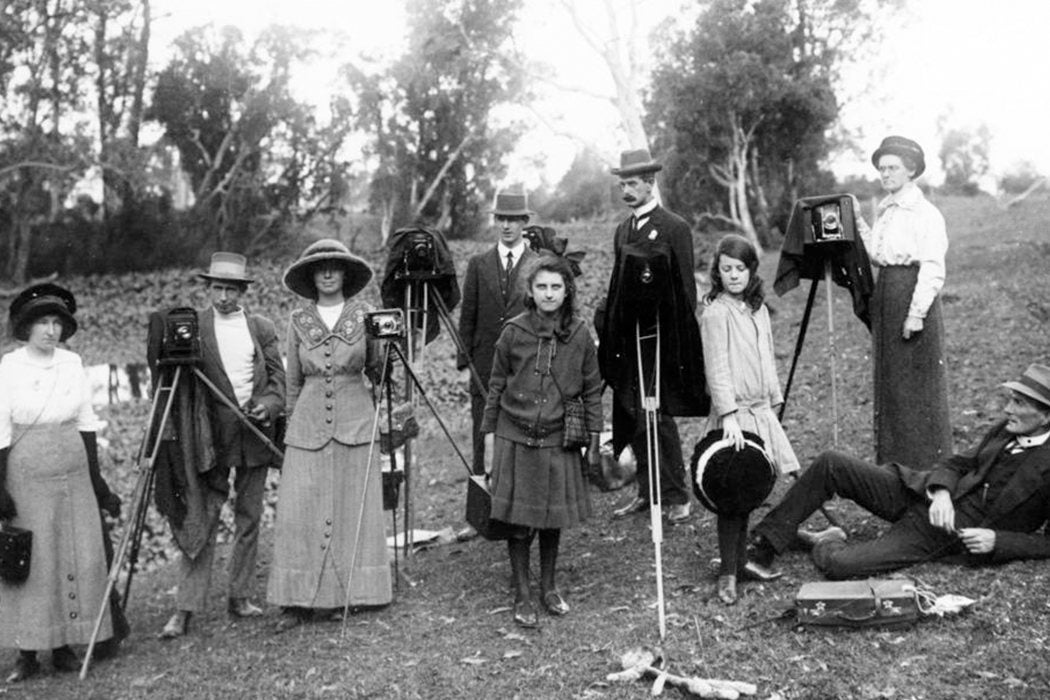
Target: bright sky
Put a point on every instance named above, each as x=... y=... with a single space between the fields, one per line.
x=977 y=61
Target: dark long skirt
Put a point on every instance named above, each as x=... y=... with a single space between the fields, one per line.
x=912 y=423
x=540 y=487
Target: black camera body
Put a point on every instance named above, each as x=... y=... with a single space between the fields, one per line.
x=830 y=219
x=385 y=324
x=419 y=256
x=181 y=342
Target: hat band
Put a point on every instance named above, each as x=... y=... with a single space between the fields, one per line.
x=1041 y=390
x=49 y=299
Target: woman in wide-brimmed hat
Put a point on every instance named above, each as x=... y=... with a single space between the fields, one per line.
x=908 y=243
x=50 y=485
x=329 y=524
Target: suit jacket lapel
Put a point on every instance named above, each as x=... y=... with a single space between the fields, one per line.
x=516 y=292
x=490 y=271
x=1026 y=482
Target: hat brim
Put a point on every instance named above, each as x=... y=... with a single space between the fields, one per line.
x=36 y=308
x=728 y=481
x=357 y=273
x=1028 y=391
x=639 y=169
x=881 y=151
x=208 y=277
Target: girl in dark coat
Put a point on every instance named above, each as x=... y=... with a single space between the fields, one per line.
x=543 y=357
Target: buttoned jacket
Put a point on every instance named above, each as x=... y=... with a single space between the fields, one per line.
x=235 y=445
x=484 y=310
x=328 y=398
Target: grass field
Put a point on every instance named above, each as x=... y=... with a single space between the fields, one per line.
x=449 y=634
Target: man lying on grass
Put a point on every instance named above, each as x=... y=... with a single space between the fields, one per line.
x=980 y=507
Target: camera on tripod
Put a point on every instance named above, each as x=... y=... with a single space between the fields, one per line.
x=181 y=342
x=831 y=219
x=419 y=255
x=385 y=324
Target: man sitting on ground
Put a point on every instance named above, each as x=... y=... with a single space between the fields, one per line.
x=985 y=505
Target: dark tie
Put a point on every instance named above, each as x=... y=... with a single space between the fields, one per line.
x=507 y=267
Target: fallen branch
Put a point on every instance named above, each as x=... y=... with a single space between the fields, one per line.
x=641 y=663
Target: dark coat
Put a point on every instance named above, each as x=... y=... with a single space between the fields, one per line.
x=484 y=310
x=1023 y=506
x=441 y=282
x=682 y=390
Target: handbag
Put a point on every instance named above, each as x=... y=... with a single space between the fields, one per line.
x=871 y=603
x=574 y=430
x=16 y=549
x=479 y=510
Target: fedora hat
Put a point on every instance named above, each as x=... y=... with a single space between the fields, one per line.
x=1034 y=383
x=511 y=204
x=227 y=267
x=728 y=481
x=41 y=300
x=299 y=276
x=903 y=147
x=636 y=162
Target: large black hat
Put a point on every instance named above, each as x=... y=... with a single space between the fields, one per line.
x=299 y=276
x=903 y=147
x=728 y=481
x=41 y=300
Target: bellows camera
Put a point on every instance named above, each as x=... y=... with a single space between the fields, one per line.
x=419 y=254
x=831 y=219
x=385 y=323
x=181 y=344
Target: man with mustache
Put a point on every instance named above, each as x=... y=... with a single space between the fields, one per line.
x=652 y=234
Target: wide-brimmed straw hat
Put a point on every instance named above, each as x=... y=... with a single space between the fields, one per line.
x=1034 y=383
x=636 y=162
x=511 y=204
x=41 y=300
x=227 y=267
x=903 y=147
x=728 y=481
x=299 y=276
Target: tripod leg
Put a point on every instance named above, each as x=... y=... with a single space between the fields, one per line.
x=445 y=317
x=798 y=345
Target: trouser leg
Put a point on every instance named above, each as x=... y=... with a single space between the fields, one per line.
x=477 y=414
x=195 y=574
x=249 y=485
x=672 y=466
x=910 y=540
x=876 y=489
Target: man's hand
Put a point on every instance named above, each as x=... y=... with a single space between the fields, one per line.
x=257 y=412
x=731 y=431
x=978 y=540
x=942 y=510
x=912 y=326
x=490 y=442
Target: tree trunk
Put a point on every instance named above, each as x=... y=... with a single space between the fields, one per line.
x=761 y=203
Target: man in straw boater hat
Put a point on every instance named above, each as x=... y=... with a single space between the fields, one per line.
x=984 y=506
x=653 y=231
x=491 y=296
x=240 y=357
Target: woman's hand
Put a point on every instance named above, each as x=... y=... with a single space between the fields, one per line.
x=978 y=540
x=912 y=326
x=731 y=431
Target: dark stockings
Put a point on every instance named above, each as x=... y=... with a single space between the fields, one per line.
x=732 y=544
x=518 y=548
x=549 y=541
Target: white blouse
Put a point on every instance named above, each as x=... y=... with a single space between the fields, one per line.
x=34 y=391
x=909 y=230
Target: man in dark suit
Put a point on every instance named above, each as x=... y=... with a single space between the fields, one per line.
x=983 y=506
x=492 y=294
x=240 y=357
x=653 y=229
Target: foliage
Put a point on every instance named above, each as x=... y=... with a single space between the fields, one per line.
x=742 y=104
x=430 y=114
x=1020 y=177
x=964 y=157
x=584 y=192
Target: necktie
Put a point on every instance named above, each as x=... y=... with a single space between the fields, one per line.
x=507 y=267
x=510 y=263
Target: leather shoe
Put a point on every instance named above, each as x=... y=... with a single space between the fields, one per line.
x=727 y=589
x=64 y=659
x=811 y=539
x=242 y=607
x=750 y=571
x=525 y=614
x=636 y=505
x=290 y=619
x=25 y=667
x=466 y=534
x=678 y=513
x=177 y=625
x=106 y=649
x=555 y=604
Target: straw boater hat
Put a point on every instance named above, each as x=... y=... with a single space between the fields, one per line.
x=41 y=300
x=299 y=276
x=227 y=267
x=511 y=204
x=636 y=162
x=1034 y=383
x=728 y=481
x=905 y=148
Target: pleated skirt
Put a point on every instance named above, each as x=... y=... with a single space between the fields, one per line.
x=539 y=487
x=47 y=476
x=318 y=547
x=912 y=421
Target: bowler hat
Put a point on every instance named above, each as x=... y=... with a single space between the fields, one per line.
x=227 y=267
x=1034 y=383
x=511 y=204
x=728 y=481
x=299 y=275
x=41 y=300
x=903 y=147
x=636 y=162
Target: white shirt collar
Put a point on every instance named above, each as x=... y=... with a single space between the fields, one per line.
x=646 y=209
x=517 y=251
x=1027 y=441
x=239 y=313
